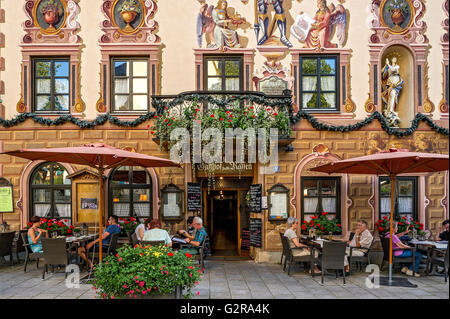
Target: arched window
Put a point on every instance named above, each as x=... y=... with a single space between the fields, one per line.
x=51 y=192
x=130 y=192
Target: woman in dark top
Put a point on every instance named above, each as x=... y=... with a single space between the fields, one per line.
x=443 y=233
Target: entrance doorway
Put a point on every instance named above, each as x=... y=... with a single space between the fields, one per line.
x=226 y=216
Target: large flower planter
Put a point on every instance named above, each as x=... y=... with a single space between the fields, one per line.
x=177 y=294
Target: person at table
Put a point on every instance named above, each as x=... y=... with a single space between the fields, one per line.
x=291 y=234
x=191 y=229
x=443 y=233
x=113 y=228
x=35 y=234
x=157 y=234
x=197 y=240
x=362 y=239
x=401 y=250
x=142 y=228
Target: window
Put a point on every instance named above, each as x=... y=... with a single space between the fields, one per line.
x=320 y=194
x=223 y=74
x=51 y=85
x=130 y=84
x=319 y=87
x=51 y=192
x=405 y=200
x=130 y=192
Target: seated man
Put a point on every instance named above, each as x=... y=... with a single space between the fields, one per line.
x=362 y=239
x=113 y=228
x=293 y=241
x=443 y=233
x=190 y=232
x=196 y=240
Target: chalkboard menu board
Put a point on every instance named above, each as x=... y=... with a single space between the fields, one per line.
x=255 y=232
x=194 y=195
x=255 y=198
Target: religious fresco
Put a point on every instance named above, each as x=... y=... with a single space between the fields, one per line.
x=397 y=15
x=317 y=32
x=264 y=32
x=218 y=26
x=422 y=142
x=128 y=15
x=50 y=15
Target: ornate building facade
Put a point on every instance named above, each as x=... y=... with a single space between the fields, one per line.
x=349 y=78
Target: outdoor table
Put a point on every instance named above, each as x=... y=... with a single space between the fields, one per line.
x=428 y=245
x=75 y=242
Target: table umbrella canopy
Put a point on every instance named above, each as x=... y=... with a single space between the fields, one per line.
x=97 y=155
x=93 y=155
x=393 y=161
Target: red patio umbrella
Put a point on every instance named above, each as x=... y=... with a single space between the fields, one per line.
x=98 y=156
x=391 y=163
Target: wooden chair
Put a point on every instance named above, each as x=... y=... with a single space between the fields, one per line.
x=55 y=253
x=359 y=259
x=333 y=254
x=397 y=260
x=435 y=259
x=6 y=241
x=29 y=254
x=291 y=259
x=18 y=246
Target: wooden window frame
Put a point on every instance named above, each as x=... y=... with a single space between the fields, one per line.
x=223 y=58
x=337 y=79
x=53 y=78
x=131 y=187
x=52 y=187
x=415 y=213
x=129 y=59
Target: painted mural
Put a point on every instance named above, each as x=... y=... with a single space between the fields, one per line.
x=264 y=28
x=50 y=15
x=317 y=32
x=422 y=142
x=128 y=15
x=397 y=15
x=218 y=26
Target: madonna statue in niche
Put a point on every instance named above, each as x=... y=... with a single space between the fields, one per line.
x=391 y=88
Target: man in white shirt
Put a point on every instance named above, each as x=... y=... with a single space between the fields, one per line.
x=362 y=239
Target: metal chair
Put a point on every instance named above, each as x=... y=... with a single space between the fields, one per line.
x=434 y=259
x=333 y=254
x=110 y=249
x=6 y=241
x=290 y=258
x=200 y=257
x=55 y=253
x=397 y=260
x=134 y=239
x=17 y=246
x=359 y=259
x=284 y=251
x=29 y=254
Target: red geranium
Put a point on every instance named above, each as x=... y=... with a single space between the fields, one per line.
x=188 y=255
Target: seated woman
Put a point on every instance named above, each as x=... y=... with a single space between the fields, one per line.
x=400 y=253
x=197 y=240
x=113 y=228
x=156 y=233
x=34 y=235
x=142 y=228
x=294 y=243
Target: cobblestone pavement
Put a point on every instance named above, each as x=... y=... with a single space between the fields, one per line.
x=232 y=280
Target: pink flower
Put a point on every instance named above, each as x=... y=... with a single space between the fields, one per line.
x=198 y=293
x=120 y=259
x=144 y=292
x=141 y=284
x=125 y=286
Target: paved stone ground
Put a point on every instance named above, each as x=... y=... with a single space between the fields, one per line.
x=232 y=280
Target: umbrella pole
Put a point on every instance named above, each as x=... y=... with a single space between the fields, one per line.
x=391 y=230
x=100 y=214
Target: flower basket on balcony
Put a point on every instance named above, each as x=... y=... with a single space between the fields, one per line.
x=146 y=272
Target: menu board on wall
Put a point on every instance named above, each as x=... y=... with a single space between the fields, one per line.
x=255 y=232
x=278 y=209
x=194 y=196
x=6 y=199
x=255 y=198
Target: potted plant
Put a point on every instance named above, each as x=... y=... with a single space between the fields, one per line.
x=383 y=226
x=146 y=272
x=52 y=10
x=322 y=224
x=129 y=9
x=127 y=226
x=77 y=232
